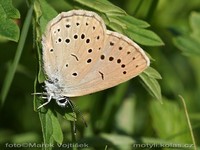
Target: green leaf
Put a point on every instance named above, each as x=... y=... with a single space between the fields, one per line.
x=8 y=28
x=48 y=13
x=149 y=77
x=102 y=6
x=57 y=131
x=50 y=127
x=116 y=18
x=152 y=73
x=47 y=127
x=195 y=25
x=133 y=28
x=169 y=121
x=44 y=13
x=144 y=36
x=131 y=21
x=188 y=45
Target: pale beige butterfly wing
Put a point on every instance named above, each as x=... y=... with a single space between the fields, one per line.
x=94 y=60
x=65 y=41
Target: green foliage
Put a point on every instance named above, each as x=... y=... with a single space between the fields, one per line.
x=8 y=28
x=12 y=69
x=149 y=77
x=51 y=127
x=118 y=20
x=170 y=122
x=190 y=44
x=117 y=118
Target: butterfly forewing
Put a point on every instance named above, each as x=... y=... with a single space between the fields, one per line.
x=71 y=42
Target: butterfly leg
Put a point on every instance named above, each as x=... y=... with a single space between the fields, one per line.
x=48 y=100
x=44 y=93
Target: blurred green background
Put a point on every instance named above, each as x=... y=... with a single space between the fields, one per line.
x=119 y=117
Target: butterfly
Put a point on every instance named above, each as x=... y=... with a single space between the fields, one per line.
x=80 y=56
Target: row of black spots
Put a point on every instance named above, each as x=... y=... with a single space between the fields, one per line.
x=125 y=72
x=119 y=48
x=84 y=37
x=118 y=62
x=58 y=30
x=111 y=58
x=59 y=40
x=67 y=40
x=78 y=24
x=69 y=25
x=87 y=24
x=74 y=74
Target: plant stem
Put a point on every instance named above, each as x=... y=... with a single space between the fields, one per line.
x=12 y=69
x=188 y=121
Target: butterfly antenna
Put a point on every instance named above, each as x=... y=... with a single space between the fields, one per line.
x=79 y=112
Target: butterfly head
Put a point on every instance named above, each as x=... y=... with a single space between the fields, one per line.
x=55 y=91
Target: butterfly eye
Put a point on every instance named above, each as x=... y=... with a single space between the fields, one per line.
x=62 y=102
